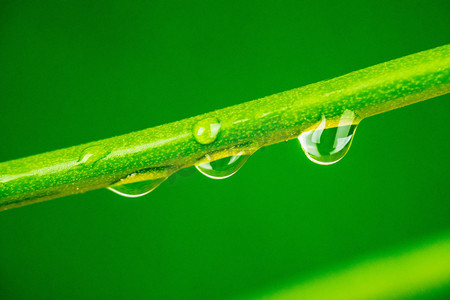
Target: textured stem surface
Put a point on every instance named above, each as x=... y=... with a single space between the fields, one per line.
x=159 y=151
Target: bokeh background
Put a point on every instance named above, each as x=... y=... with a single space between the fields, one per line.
x=76 y=71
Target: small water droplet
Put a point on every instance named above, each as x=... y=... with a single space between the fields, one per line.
x=137 y=189
x=224 y=167
x=206 y=130
x=326 y=146
x=92 y=154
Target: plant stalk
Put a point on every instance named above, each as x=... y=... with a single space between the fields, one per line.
x=160 y=151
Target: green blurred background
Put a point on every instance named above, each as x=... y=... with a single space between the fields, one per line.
x=76 y=71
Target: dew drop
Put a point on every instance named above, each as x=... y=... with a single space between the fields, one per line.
x=137 y=189
x=92 y=154
x=206 y=130
x=224 y=167
x=326 y=146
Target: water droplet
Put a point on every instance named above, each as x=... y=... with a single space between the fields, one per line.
x=206 y=130
x=92 y=154
x=326 y=146
x=137 y=189
x=224 y=167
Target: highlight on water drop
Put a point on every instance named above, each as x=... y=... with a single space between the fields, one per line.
x=224 y=167
x=137 y=189
x=206 y=130
x=327 y=146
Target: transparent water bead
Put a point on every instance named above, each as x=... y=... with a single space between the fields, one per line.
x=92 y=154
x=224 y=167
x=206 y=130
x=137 y=189
x=327 y=146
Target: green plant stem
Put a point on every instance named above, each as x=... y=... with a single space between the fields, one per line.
x=158 y=152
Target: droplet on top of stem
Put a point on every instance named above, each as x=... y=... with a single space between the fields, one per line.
x=206 y=130
x=92 y=154
x=327 y=146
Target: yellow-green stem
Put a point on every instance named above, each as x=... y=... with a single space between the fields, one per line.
x=160 y=151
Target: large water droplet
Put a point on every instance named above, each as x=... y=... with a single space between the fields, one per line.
x=206 y=130
x=137 y=189
x=326 y=146
x=92 y=154
x=224 y=167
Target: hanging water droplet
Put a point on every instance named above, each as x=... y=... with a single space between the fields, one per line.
x=137 y=189
x=92 y=154
x=206 y=130
x=327 y=146
x=224 y=167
